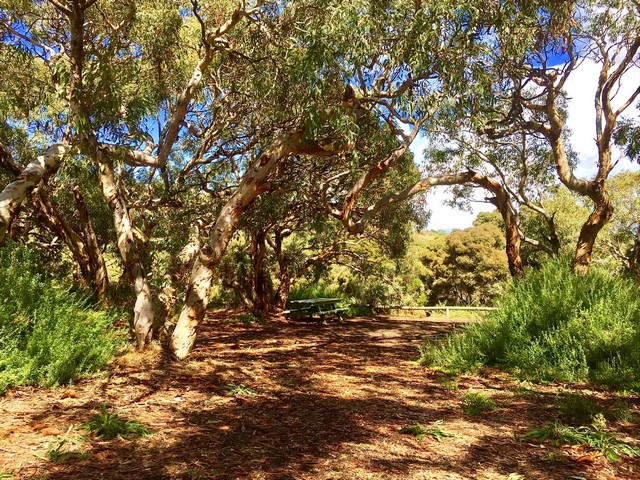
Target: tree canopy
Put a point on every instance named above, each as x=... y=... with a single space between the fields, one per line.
x=155 y=131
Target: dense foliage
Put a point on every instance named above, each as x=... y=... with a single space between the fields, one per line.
x=553 y=325
x=173 y=148
x=48 y=334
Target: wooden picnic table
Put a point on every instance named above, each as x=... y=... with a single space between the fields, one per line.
x=315 y=306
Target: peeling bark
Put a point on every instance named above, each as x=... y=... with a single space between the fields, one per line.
x=143 y=312
x=197 y=297
x=15 y=193
x=88 y=259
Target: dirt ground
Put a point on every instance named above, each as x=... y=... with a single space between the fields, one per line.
x=295 y=400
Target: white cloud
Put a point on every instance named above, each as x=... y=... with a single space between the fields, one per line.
x=581 y=89
x=444 y=217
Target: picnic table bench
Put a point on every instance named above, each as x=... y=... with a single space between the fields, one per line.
x=315 y=306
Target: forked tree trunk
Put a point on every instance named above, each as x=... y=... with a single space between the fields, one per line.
x=143 y=314
x=83 y=246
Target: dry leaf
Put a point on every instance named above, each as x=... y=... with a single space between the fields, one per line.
x=587 y=458
x=70 y=394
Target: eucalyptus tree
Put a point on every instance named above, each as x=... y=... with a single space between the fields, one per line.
x=323 y=42
x=123 y=79
x=289 y=226
x=624 y=229
x=515 y=172
x=198 y=107
x=44 y=220
x=531 y=94
x=416 y=86
x=406 y=65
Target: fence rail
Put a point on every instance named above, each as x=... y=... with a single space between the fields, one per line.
x=428 y=309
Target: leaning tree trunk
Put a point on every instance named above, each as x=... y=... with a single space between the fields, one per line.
x=143 y=314
x=208 y=259
x=98 y=266
x=250 y=187
x=14 y=194
x=599 y=217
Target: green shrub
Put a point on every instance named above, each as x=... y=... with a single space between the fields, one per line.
x=303 y=289
x=553 y=325
x=240 y=390
x=621 y=412
x=48 y=335
x=580 y=408
x=594 y=436
x=434 y=431
x=65 y=447
x=477 y=403
x=107 y=426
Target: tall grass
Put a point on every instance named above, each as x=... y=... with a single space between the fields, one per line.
x=553 y=325
x=48 y=335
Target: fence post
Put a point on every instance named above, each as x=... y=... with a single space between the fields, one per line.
x=447 y=310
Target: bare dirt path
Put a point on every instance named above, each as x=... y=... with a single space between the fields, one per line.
x=295 y=401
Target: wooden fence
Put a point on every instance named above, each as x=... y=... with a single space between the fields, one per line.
x=429 y=309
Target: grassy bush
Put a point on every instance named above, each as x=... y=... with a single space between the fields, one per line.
x=477 y=403
x=596 y=436
x=579 y=408
x=302 y=290
x=434 y=431
x=107 y=425
x=48 y=335
x=553 y=325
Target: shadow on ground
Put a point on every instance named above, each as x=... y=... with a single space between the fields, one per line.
x=303 y=400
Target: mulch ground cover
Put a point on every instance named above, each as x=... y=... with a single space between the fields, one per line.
x=298 y=400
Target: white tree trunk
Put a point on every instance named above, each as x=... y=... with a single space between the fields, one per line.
x=143 y=314
x=14 y=194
